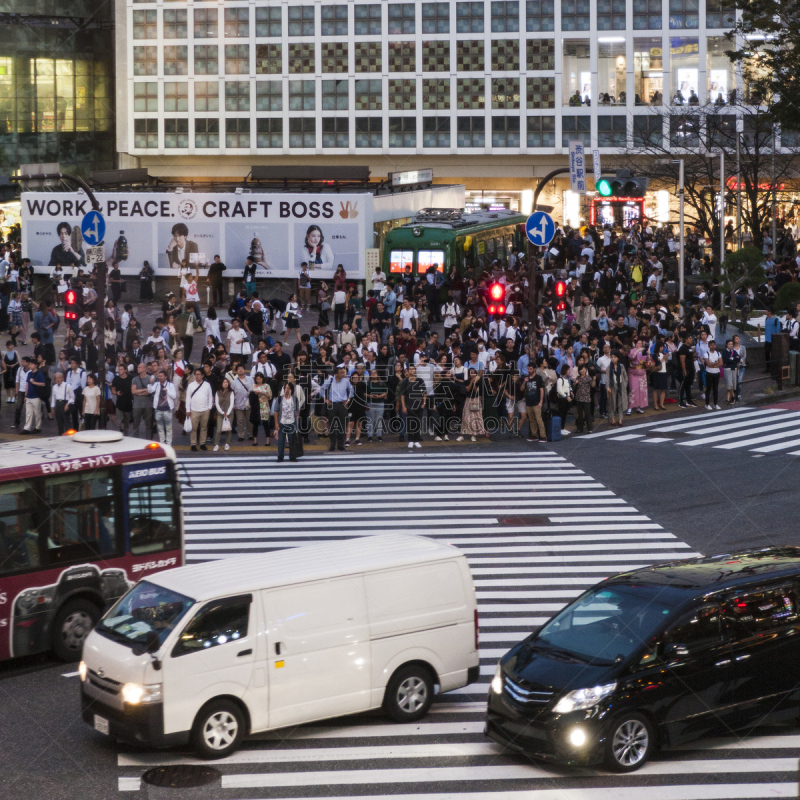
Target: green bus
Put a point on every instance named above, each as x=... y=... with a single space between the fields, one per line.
x=448 y=236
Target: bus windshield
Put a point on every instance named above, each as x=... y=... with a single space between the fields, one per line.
x=145 y=610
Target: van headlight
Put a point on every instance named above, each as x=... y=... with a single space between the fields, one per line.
x=497 y=681
x=135 y=694
x=581 y=699
x=82 y=670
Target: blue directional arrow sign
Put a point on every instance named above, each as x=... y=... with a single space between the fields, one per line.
x=93 y=228
x=540 y=228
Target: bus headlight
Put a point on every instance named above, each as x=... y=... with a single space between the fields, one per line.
x=497 y=681
x=581 y=699
x=135 y=694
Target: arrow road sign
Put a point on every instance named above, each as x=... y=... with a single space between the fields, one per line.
x=93 y=228
x=540 y=228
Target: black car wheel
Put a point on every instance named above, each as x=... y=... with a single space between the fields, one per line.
x=629 y=743
x=73 y=623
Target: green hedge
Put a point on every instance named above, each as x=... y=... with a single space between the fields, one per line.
x=788 y=296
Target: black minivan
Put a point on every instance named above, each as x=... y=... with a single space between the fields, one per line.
x=656 y=657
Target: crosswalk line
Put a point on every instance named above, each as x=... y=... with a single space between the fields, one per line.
x=749 y=424
x=722 y=437
x=779 y=446
x=758 y=440
x=744 y=417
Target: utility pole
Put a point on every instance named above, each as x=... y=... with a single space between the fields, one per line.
x=738 y=185
x=721 y=214
x=679 y=163
x=774 y=199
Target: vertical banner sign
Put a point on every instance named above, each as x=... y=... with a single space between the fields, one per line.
x=577 y=167
x=596 y=166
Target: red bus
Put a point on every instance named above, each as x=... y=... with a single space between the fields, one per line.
x=82 y=518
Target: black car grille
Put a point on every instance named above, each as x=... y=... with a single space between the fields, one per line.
x=104 y=684
x=526 y=696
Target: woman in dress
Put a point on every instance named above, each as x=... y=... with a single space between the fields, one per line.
x=10 y=367
x=91 y=402
x=616 y=388
x=146 y=282
x=472 y=417
x=260 y=400
x=292 y=317
x=357 y=411
x=339 y=279
x=14 y=311
x=212 y=325
x=661 y=357
x=110 y=338
x=26 y=316
x=223 y=402
x=638 y=360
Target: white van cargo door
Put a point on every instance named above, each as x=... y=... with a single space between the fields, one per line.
x=214 y=655
x=318 y=644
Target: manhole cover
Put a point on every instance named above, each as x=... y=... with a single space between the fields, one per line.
x=181 y=776
x=523 y=520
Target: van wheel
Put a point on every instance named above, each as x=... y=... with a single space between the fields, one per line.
x=409 y=694
x=218 y=729
x=629 y=743
x=73 y=623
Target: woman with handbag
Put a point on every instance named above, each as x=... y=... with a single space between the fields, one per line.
x=472 y=419
x=260 y=399
x=223 y=401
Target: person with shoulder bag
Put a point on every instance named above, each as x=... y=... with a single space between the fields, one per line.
x=564 y=397
x=224 y=404
x=286 y=410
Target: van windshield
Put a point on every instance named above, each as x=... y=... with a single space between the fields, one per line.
x=148 y=613
x=607 y=624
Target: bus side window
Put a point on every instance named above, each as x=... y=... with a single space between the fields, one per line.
x=151 y=519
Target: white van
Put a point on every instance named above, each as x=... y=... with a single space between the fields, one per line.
x=209 y=653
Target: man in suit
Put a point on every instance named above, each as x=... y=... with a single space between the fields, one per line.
x=136 y=354
x=180 y=248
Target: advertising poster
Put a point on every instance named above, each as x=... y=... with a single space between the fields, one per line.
x=280 y=231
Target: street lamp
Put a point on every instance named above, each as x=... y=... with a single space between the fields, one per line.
x=679 y=162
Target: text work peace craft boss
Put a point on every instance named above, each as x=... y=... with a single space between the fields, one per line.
x=212 y=209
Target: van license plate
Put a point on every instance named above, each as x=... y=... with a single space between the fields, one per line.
x=101 y=724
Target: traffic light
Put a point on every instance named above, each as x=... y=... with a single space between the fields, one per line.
x=561 y=294
x=497 y=297
x=70 y=303
x=623 y=184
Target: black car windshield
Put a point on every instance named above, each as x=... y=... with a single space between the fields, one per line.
x=606 y=624
x=145 y=610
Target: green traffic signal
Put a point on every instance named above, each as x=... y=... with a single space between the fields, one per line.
x=604 y=188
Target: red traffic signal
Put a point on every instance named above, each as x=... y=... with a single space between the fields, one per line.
x=70 y=299
x=561 y=293
x=497 y=309
x=497 y=292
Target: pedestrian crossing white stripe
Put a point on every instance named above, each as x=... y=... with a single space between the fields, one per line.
x=125 y=784
x=628 y=436
x=739 y=434
x=212 y=461
x=694 y=422
x=536 y=582
x=604 y=518
x=779 y=446
x=641 y=425
x=351 y=524
x=518 y=622
x=757 y=425
x=760 y=440
x=657 y=440
x=573 y=562
x=530 y=572
x=542 y=595
x=454 y=490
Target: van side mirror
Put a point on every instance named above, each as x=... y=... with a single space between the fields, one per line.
x=675 y=650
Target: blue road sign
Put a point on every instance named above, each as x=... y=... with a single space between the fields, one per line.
x=540 y=228
x=93 y=228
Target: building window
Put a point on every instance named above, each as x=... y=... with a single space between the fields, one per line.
x=145 y=24
x=301 y=58
x=302 y=95
x=541 y=131
x=684 y=13
x=505 y=55
x=647 y=15
x=145 y=60
x=685 y=63
x=611 y=74
x=541 y=54
x=206 y=59
x=436 y=18
x=471 y=93
x=575 y=15
x=470 y=131
x=469 y=17
x=612 y=131
x=335 y=95
x=176 y=96
x=145 y=96
x=206 y=96
x=402 y=57
x=401 y=18
x=269 y=132
x=505 y=92
x=368 y=57
x=436 y=131
x=367 y=19
x=539 y=15
x=611 y=15
x=237 y=132
x=206 y=133
x=648 y=75
x=334 y=57
x=269 y=59
x=237 y=96
x=302 y=132
x=541 y=93
x=237 y=59
x=576 y=80
x=684 y=131
x=176 y=133
x=334 y=21
x=720 y=130
x=505 y=16
x=402 y=94
x=402 y=132
x=647 y=130
x=301 y=21
x=436 y=93
x=579 y=128
x=205 y=23
x=505 y=131
x=145 y=133
x=269 y=96
x=436 y=56
x=237 y=23
x=720 y=14
x=176 y=59
x=175 y=27
x=719 y=71
x=268 y=22
x=368 y=95
x=469 y=56
x=369 y=132
x=757 y=133
x=335 y=132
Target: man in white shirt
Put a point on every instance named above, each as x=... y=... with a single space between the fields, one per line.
x=21 y=385
x=199 y=402
x=164 y=396
x=589 y=253
x=241 y=386
x=236 y=336
x=378 y=282
x=61 y=398
x=710 y=319
x=347 y=336
x=264 y=367
x=408 y=316
x=425 y=372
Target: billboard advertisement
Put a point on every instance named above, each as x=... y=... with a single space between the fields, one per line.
x=279 y=231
